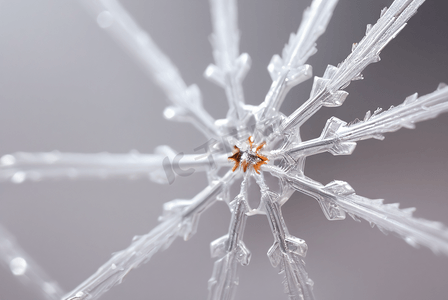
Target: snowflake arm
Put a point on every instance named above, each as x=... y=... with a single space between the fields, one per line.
x=329 y=90
x=22 y=166
x=338 y=197
x=339 y=138
x=230 y=68
x=288 y=252
x=24 y=268
x=140 y=251
x=290 y=69
x=230 y=250
x=180 y=218
x=186 y=100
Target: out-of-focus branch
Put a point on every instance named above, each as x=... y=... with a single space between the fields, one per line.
x=25 y=269
x=22 y=166
x=186 y=100
x=230 y=68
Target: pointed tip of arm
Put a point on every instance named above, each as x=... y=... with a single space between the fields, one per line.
x=301 y=45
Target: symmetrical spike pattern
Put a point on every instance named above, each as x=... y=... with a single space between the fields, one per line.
x=281 y=153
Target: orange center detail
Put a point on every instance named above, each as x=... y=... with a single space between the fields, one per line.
x=249 y=157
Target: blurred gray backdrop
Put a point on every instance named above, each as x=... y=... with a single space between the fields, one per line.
x=66 y=85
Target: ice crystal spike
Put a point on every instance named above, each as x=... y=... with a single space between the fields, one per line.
x=21 y=166
x=25 y=269
x=186 y=100
x=287 y=251
x=388 y=217
x=178 y=220
x=290 y=69
x=339 y=138
x=230 y=69
x=281 y=151
x=329 y=90
x=230 y=250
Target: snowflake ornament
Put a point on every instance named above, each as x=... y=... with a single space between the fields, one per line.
x=263 y=140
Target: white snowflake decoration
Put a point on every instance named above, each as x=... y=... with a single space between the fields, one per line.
x=282 y=156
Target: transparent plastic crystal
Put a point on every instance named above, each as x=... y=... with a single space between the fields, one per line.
x=263 y=139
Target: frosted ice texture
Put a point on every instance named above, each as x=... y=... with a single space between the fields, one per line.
x=284 y=149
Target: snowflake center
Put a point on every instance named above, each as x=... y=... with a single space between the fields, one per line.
x=249 y=157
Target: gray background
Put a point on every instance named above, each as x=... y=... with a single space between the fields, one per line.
x=65 y=84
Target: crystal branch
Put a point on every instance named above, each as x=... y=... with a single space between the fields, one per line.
x=290 y=69
x=231 y=250
x=25 y=269
x=339 y=138
x=329 y=90
x=230 y=69
x=288 y=252
x=180 y=218
x=186 y=101
x=338 y=197
x=21 y=166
